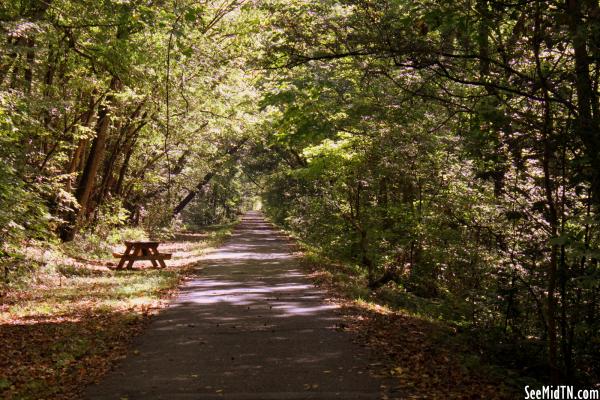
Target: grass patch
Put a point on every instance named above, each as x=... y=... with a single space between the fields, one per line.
x=61 y=328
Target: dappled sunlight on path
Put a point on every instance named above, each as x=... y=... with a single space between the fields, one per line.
x=247 y=324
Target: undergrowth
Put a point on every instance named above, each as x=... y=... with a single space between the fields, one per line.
x=349 y=281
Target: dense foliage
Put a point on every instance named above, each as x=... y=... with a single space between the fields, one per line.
x=109 y=106
x=450 y=149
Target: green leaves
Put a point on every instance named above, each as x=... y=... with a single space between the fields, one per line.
x=194 y=13
x=4 y=383
x=438 y=137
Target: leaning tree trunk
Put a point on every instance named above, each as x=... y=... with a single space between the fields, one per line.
x=190 y=196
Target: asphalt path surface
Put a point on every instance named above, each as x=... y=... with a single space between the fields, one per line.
x=249 y=324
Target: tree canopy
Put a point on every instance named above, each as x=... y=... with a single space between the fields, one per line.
x=448 y=149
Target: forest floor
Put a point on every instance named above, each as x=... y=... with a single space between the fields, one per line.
x=425 y=357
x=77 y=316
x=66 y=332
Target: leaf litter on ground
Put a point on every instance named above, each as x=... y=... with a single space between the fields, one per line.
x=413 y=351
x=65 y=330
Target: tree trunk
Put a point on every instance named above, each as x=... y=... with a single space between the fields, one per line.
x=190 y=196
x=121 y=145
x=79 y=152
x=493 y=131
x=88 y=178
x=28 y=73
x=548 y=159
x=125 y=166
x=588 y=126
x=186 y=200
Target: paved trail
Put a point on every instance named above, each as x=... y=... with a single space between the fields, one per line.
x=248 y=325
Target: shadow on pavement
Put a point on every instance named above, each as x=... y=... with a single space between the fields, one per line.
x=248 y=324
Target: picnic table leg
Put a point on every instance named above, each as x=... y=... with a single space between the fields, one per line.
x=154 y=251
x=148 y=253
x=136 y=252
x=125 y=254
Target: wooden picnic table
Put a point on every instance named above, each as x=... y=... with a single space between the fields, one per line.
x=142 y=250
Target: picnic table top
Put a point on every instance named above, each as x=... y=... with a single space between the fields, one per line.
x=142 y=242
